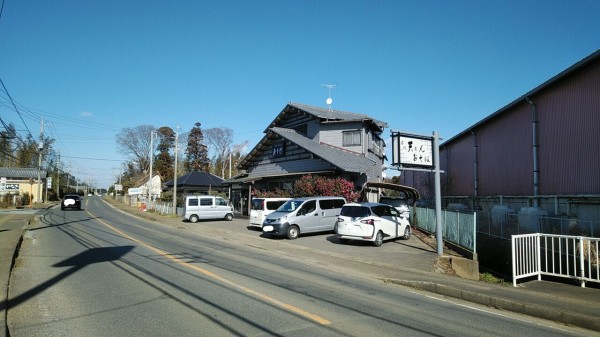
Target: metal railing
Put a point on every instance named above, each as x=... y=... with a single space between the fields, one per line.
x=574 y=257
x=458 y=228
x=504 y=225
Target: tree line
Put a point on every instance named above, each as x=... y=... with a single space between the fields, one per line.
x=210 y=150
x=23 y=152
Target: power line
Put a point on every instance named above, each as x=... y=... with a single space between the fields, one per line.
x=100 y=159
x=13 y=102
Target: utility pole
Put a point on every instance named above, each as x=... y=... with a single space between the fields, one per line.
x=151 y=159
x=40 y=148
x=175 y=172
x=58 y=178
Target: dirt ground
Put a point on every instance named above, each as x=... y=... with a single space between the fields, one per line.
x=442 y=264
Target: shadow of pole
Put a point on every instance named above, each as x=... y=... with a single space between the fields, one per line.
x=78 y=262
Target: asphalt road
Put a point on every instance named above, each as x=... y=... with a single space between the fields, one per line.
x=98 y=272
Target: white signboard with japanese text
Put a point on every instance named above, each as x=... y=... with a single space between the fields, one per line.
x=410 y=150
x=134 y=191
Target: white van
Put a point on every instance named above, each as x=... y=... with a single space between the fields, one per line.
x=304 y=215
x=261 y=207
x=198 y=207
x=372 y=222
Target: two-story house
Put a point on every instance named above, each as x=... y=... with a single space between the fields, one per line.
x=304 y=139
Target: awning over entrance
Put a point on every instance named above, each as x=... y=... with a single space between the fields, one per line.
x=409 y=192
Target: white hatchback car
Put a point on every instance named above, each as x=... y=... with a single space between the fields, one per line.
x=372 y=222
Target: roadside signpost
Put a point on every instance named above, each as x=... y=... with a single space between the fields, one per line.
x=412 y=152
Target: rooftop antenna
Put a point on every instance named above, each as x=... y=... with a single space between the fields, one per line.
x=329 y=100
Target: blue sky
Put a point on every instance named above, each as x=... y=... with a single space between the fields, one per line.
x=91 y=68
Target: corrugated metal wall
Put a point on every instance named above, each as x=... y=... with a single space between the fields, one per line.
x=569 y=139
x=569 y=131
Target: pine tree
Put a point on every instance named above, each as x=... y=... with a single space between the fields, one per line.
x=164 y=160
x=196 y=151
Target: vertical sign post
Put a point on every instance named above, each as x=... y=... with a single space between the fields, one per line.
x=412 y=152
x=438 y=196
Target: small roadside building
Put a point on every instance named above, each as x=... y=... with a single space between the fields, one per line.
x=196 y=182
x=304 y=139
x=16 y=182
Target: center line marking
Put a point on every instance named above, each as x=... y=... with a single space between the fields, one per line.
x=254 y=293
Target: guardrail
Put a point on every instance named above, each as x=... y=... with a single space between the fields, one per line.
x=574 y=257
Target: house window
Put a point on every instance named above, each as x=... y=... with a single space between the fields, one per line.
x=351 y=138
x=375 y=145
x=278 y=150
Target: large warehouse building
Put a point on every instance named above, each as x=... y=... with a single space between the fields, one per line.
x=540 y=154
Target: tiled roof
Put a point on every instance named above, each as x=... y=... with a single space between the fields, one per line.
x=345 y=160
x=336 y=114
x=196 y=179
x=21 y=173
x=333 y=115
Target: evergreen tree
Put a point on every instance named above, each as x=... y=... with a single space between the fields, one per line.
x=165 y=162
x=196 y=151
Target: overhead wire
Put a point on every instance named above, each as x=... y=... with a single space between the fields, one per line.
x=14 y=106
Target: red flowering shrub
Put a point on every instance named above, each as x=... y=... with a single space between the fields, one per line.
x=310 y=185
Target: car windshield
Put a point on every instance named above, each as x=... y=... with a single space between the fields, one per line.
x=290 y=206
x=355 y=211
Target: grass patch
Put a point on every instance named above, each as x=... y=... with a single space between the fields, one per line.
x=491 y=278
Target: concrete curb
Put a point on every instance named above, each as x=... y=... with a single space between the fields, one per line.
x=534 y=310
x=14 y=237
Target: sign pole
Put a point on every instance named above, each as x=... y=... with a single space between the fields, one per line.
x=413 y=152
x=438 y=196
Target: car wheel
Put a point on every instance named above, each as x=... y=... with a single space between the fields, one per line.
x=193 y=218
x=378 y=239
x=293 y=232
x=229 y=217
x=406 y=235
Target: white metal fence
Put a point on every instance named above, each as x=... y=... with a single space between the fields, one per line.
x=574 y=257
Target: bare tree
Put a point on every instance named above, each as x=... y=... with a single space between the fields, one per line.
x=135 y=143
x=220 y=139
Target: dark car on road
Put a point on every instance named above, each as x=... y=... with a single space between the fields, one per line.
x=71 y=201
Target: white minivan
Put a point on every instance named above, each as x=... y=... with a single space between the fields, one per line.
x=303 y=215
x=198 y=207
x=261 y=207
